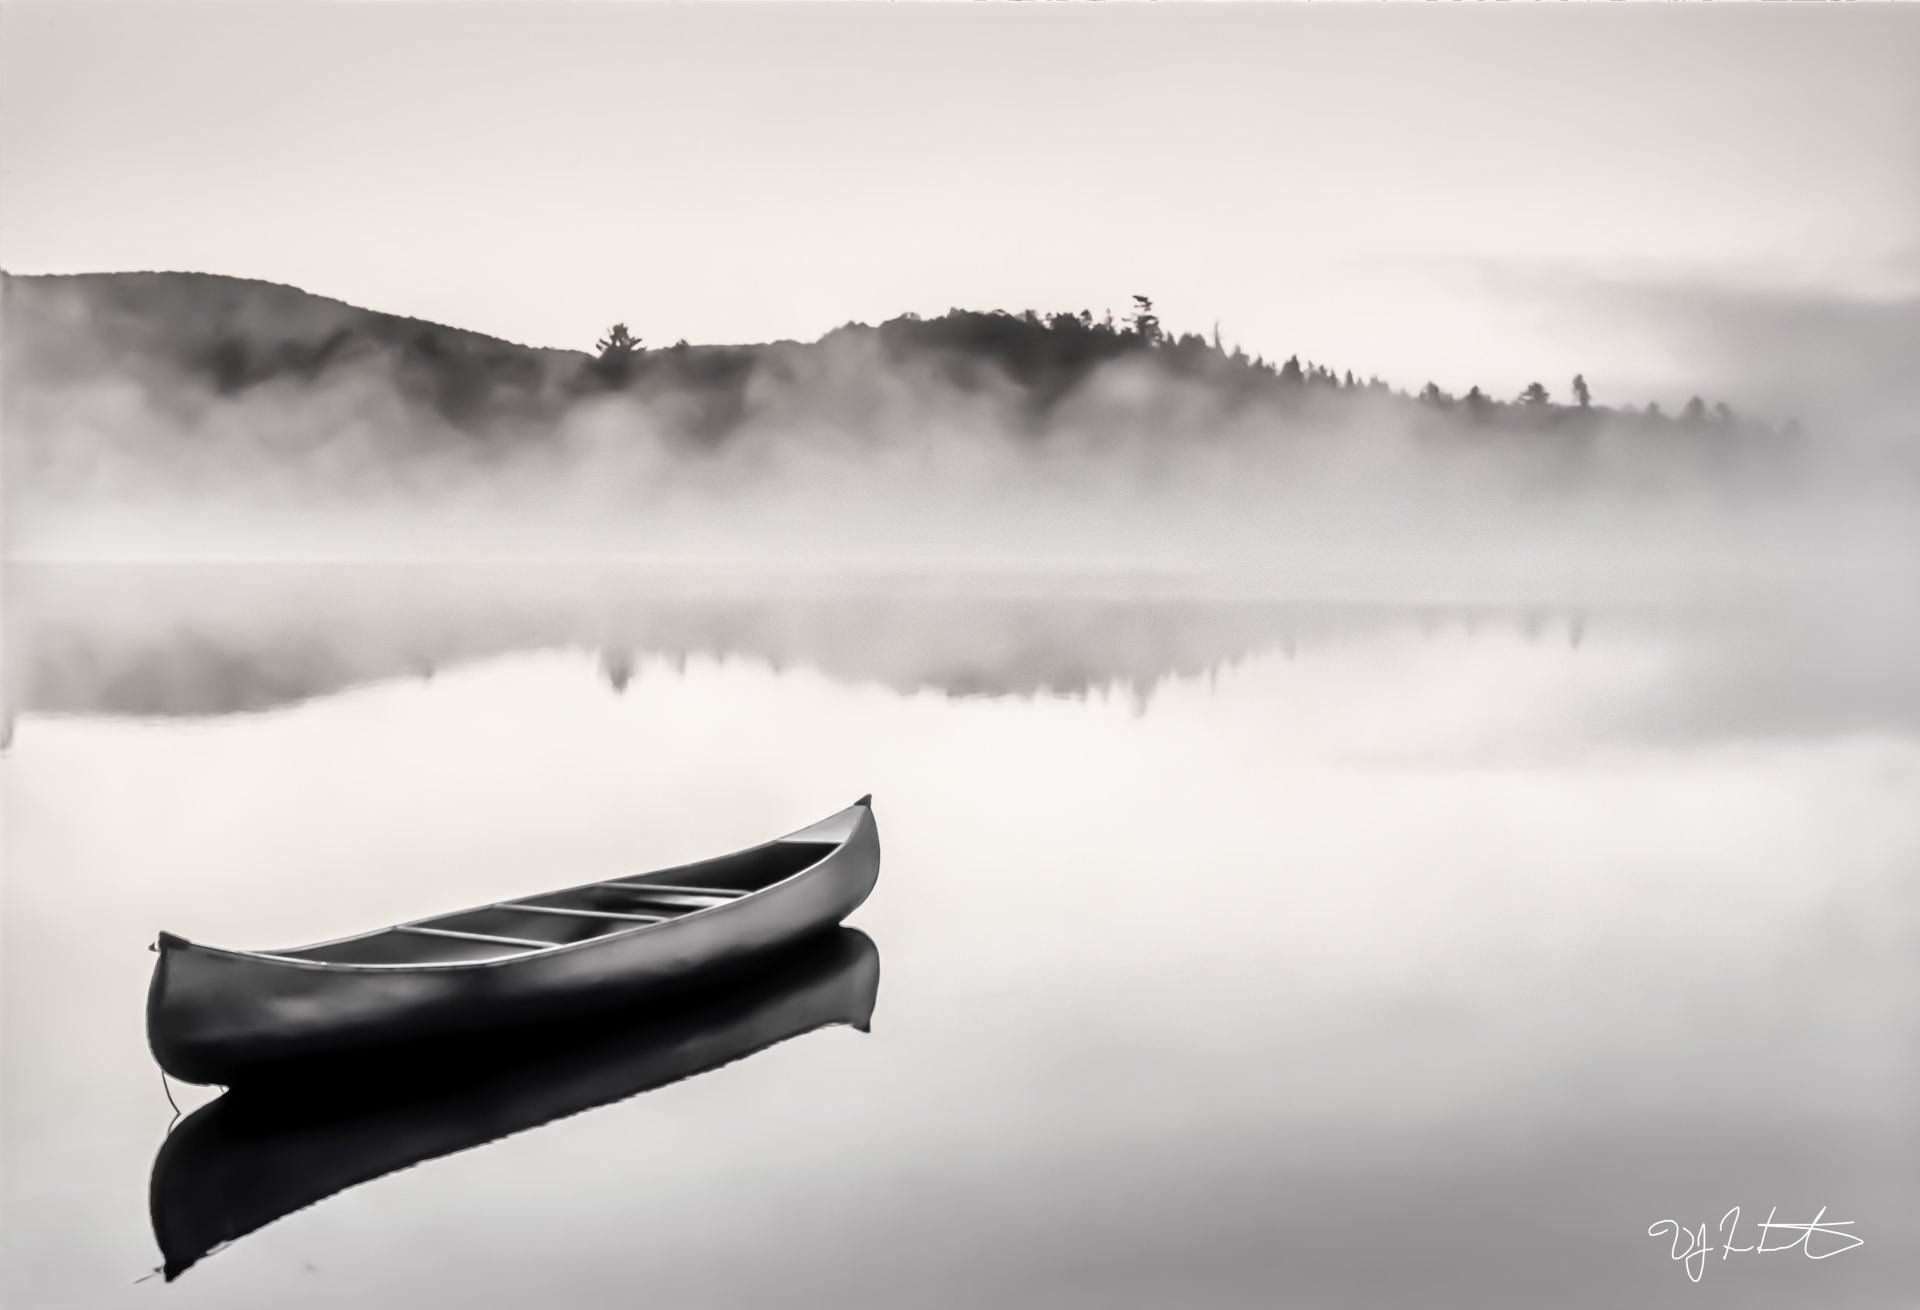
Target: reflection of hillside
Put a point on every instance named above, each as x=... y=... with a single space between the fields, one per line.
x=213 y=639
x=205 y=640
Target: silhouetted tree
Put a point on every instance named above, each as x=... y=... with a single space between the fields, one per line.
x=1581 y=396
x=618 y=341
x=1534 y=395
x=617 y=349
x=1433 y=395
x=1290 y=371
x=1696 y=410
x=1145 y=324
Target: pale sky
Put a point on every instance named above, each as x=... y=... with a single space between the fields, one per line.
x=1463 y=193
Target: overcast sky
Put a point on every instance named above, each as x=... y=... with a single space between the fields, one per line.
x=1468 y=194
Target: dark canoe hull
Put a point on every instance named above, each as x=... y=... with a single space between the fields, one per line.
x=227 y=1017
x=253 y=1155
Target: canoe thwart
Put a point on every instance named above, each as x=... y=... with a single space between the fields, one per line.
x=580 y=914
x=474 y=936
x=676 y=889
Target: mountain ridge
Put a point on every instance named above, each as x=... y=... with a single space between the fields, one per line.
x=230 y=334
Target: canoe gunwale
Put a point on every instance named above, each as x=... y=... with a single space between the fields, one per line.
x=171 y=941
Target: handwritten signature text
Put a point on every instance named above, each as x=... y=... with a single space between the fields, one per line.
x=1820 y=1239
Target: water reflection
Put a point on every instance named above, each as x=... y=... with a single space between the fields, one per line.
x=1426 y=970
x=198 y=640
x=254 y=1155
x=203 y=640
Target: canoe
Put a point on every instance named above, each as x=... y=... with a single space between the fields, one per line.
x=249 y=1157
x=225 y=1016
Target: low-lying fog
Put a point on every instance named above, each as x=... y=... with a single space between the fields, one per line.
x=178 y=417
x=978 y=503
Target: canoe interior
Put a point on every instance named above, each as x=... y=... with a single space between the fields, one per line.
x=535 y=923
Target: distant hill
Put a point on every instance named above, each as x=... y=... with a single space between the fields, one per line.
x=191 y=416
x=193 y=342
x=186 y=333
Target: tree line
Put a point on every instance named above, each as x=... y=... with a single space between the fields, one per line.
x=1053 y=351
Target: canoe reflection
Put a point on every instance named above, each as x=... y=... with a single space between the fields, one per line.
x=253 y=1155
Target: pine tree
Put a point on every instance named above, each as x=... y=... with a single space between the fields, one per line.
x=617 y=343
x=617 y=349
x=1145 y=324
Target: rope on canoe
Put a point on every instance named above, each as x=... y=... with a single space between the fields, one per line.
x=166 y=1087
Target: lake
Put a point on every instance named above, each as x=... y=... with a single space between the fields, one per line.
x=1233 y=949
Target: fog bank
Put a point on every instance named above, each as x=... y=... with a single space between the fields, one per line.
x=171 y=416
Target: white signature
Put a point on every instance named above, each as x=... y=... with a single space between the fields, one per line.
x=1820 y=1239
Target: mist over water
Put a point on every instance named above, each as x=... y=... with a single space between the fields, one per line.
x=214 y=419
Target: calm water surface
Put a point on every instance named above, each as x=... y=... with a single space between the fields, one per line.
x=1230 y=954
